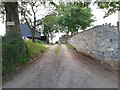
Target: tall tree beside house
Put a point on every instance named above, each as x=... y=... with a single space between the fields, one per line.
x=51 y=26
x=13 y=45
x=11 y=9
x=26 y=15
x=31 y=15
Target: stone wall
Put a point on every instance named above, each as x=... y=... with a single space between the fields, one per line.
x=100 y=42
x=63 y=39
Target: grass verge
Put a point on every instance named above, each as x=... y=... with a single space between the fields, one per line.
x=32 y=50
x=57 y=50
x=70 y=46
x=35 y=48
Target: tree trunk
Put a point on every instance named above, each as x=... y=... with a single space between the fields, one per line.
x=12 y=16
x=33 y=35
x=67 y=33
x=48 y=38
x=72 y=33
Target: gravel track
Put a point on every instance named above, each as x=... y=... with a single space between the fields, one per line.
x=67 y=69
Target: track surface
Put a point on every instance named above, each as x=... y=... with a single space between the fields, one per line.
x=67 y=69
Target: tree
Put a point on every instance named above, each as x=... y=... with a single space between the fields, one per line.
x=74 y=17
x=50 y=23
x=30 y=17
x=2 y=12
x=30 y=12
x=13 y=45
x=11 y=9
x=111 y=7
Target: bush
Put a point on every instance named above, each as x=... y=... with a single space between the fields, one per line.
x=38 y=41
x=13 y=51
x=16 y=51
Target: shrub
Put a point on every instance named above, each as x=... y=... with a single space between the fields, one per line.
x=13 y=51
x=38 y=41
x=16 y=51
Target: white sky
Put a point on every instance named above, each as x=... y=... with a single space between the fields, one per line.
x=98 y=13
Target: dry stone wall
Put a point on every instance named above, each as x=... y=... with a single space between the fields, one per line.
x=100 y=42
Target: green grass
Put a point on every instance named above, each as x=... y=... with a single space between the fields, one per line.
x=57 y=50
x=33 y=49
x=11 y=67
x=70 y=46
x=14 y=52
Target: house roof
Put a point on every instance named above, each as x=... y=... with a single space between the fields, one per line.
x=26 y=31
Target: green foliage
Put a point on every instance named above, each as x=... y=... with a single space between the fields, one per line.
x=111 y=7
x=74 y=17
x=38 y=41
x=13 y=52
x=16 y=52
x=50 y=23
x=2 y=11
x=23 y=58
x=35 y=48
x=70 y=46
x=57 y=50
x=70 y=17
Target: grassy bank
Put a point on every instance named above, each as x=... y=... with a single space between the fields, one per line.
x=57 y=50
x=12 y=60
x=35 y=48
x=70 y=46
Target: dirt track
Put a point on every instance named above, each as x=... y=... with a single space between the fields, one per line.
x=67 y=69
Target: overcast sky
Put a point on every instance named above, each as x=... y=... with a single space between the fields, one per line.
x=98 y=14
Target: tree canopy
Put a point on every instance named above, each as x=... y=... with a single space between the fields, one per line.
x=50 y=23
x=74 y=17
